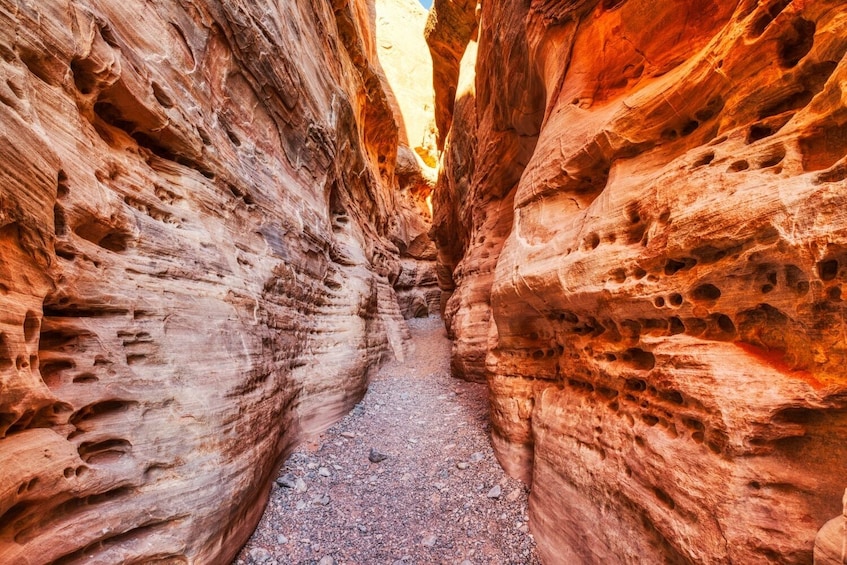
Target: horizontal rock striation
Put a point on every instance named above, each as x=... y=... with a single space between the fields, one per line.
x=199 y=242
x=640 y=230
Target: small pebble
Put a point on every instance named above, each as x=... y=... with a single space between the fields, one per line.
x=259 y=555
x=287 y=480
x=495 y=492
x=462 y=465
x=324 y=472
x=376 y=457
x=429 y=541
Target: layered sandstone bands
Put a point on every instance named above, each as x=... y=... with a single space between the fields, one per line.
x=642 y=234
x=200 y=235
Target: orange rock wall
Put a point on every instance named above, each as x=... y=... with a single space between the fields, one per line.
x=642 y=238
x=199 y=239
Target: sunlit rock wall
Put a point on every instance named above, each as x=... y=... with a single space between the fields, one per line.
x=405 y=60
x=199 y=241
x=642 y=215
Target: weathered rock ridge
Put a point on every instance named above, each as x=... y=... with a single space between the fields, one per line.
x=202 y=221
x=641 y=232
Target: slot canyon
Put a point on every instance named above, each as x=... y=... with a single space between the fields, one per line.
x=220 y=219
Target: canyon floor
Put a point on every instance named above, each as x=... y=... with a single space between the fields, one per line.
x=438 y=496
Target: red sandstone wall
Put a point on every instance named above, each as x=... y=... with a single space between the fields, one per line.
x=641 y=229
x=199 y=238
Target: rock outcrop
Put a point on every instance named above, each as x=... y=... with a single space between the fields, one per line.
x=641 y=234
x=200 y=235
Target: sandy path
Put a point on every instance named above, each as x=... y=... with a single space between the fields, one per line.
x=431 y=501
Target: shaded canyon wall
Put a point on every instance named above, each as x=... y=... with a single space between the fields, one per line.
x=642 y=245
x=201 y=229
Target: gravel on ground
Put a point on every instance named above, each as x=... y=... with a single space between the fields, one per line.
x=407 y=478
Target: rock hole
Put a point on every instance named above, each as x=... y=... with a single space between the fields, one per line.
x=718 y=141
x=676 y=326
x=607 y=393
x=835 y=174
x=675 y=299
x=109 y=36
x=775 y=157
x=31 y=326
x=759 y=131
x=135 y=359
x=689 y=127
x=737 y=166
x=115 y=242
x=106 y=451
x=706 y=292
x=51 y=372
x=592 y=241
x=62 y=189
x=22 y=423
x=704 y=160
x=618 y=275
x=828 y=270
x=834 y=294
x=716 y=442
x=801 y=416
x=232 y=137
x=650 y=419
x=664 y=498
x=659 y=302
x=102 y=408
x=722 y=328
x=796 y=42
x=673 y=396
x=60 y=223
x=673 y=266
x=84 y=73
x=162 y=96
x=68 y=472
x=15 y=513
x=39 y=65
x=581 y=385
x=85 y=378
x=766 y=288
x=639 y=359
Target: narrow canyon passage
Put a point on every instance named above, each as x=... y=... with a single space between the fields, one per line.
x=438 y=497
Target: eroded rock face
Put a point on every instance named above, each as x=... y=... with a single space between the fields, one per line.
x=199 y=240
x=403 y=57
x=650 y=270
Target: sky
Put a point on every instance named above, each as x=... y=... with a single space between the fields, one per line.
x=426 y=3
